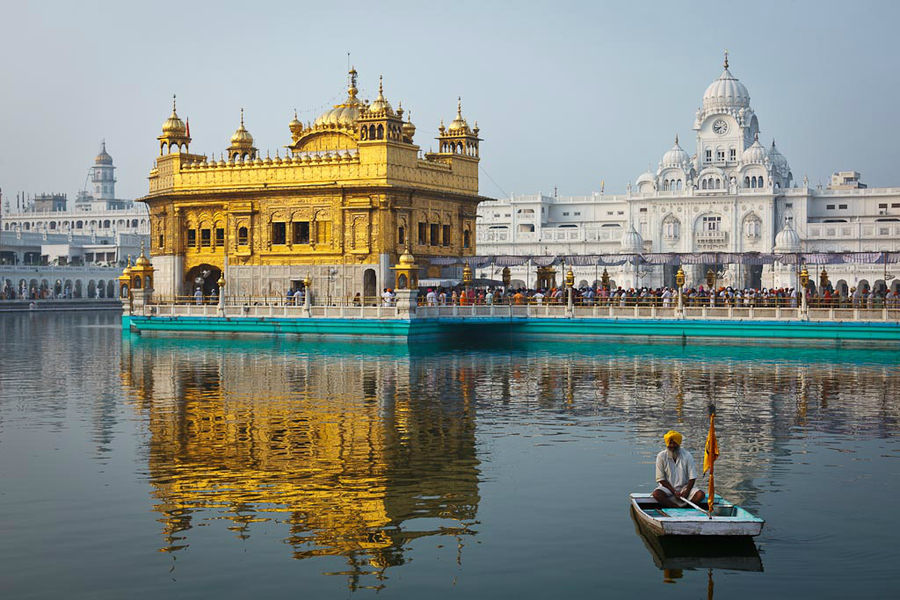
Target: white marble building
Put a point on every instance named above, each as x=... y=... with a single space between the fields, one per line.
x=97 y=228
x=733 y=195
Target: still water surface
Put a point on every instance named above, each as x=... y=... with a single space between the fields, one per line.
x=136 y=467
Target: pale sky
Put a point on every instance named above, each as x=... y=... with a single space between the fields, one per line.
x=567 y=94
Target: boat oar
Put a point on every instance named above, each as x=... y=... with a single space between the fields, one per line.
x=695 y=506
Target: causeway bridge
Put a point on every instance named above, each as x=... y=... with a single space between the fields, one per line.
x=406 y=320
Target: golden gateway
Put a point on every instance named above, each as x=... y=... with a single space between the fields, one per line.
x=350 y=197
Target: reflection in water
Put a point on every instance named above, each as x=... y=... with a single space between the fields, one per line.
x=355 y=451
x=674 y=554
x=339 y=450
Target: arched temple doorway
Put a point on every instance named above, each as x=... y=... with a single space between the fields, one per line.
x=205 y=277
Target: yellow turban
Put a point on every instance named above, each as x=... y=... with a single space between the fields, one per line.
x=673 y=436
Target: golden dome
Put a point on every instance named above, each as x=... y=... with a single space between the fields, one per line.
x=294 y=122
x=103 y=158
x=242 y=137
x=408 y=129
x=346 y=114
x=459 y=124
x=142 y=260
x=381 y=105
x=173 y=127
x=407 y=259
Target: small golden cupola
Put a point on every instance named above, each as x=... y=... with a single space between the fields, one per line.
x=379 y=121
x=408 y=129
x=459 y=139
x=241 y=147
x=175 y=134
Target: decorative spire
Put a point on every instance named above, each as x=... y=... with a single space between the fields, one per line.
x=726 y=58
x=351 y=90
x=676 y=139
x=380 y=90
x=173 y=103
x=242 y=116
x=459 y=107
x=756 y=137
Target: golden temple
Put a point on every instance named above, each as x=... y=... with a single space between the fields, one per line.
x=352 y=194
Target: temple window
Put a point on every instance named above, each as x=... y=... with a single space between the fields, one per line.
x=401 y=235
x=161 y=241
x=423 y=234
x=242 y=236
x=301 y=232
x=435 y=234
x=445 y=235
x=278 y=233
x=466 y=238
x=205 y=238
x=220 y=237
x=732 y=154
x=191 y=238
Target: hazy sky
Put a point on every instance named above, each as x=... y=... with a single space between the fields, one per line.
x=566 y=93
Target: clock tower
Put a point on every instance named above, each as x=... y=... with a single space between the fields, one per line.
x=725 y=123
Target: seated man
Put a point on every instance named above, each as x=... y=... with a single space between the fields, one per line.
x=675 y=474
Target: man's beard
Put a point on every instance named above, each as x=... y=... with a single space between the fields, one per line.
x=674 y=454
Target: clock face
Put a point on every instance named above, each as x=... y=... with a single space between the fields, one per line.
x=720 y=126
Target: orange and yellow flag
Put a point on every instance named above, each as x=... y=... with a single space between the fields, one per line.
x=712 y=445
x=710 y=454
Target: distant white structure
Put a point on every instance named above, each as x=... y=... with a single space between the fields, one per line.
x=98 y=229
x=733 y=195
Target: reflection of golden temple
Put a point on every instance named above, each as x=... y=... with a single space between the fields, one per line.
x=348 y=472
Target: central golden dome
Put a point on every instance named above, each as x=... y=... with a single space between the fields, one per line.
x=345 y=114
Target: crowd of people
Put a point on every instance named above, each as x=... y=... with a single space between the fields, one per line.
x=663 y=297
x=23 y=292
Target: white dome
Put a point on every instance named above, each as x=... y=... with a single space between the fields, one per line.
x=726 y=92
x=646 y=177
x=676 y=157
x=787 y=239
x=632 y=242
x=778 y=159
x=755 y=154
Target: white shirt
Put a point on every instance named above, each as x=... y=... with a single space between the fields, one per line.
x=676 y=473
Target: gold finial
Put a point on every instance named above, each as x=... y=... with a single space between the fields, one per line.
x=726 y=58
x=380 y=93
x=459 y=107
x=352 y=89
x=676 y=139
x=173 y=103
x=242 y=117
x=142 y=247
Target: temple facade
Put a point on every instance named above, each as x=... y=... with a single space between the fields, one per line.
x=352 y=194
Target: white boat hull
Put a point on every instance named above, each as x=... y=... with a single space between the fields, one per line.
x=731 y=521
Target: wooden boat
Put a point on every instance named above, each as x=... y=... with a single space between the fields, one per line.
x=727 y=519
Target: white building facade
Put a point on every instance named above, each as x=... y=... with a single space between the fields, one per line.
x=97 y=228
x=733 y=207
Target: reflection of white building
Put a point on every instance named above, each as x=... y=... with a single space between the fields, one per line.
x=733 y=195
x=97 y=229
